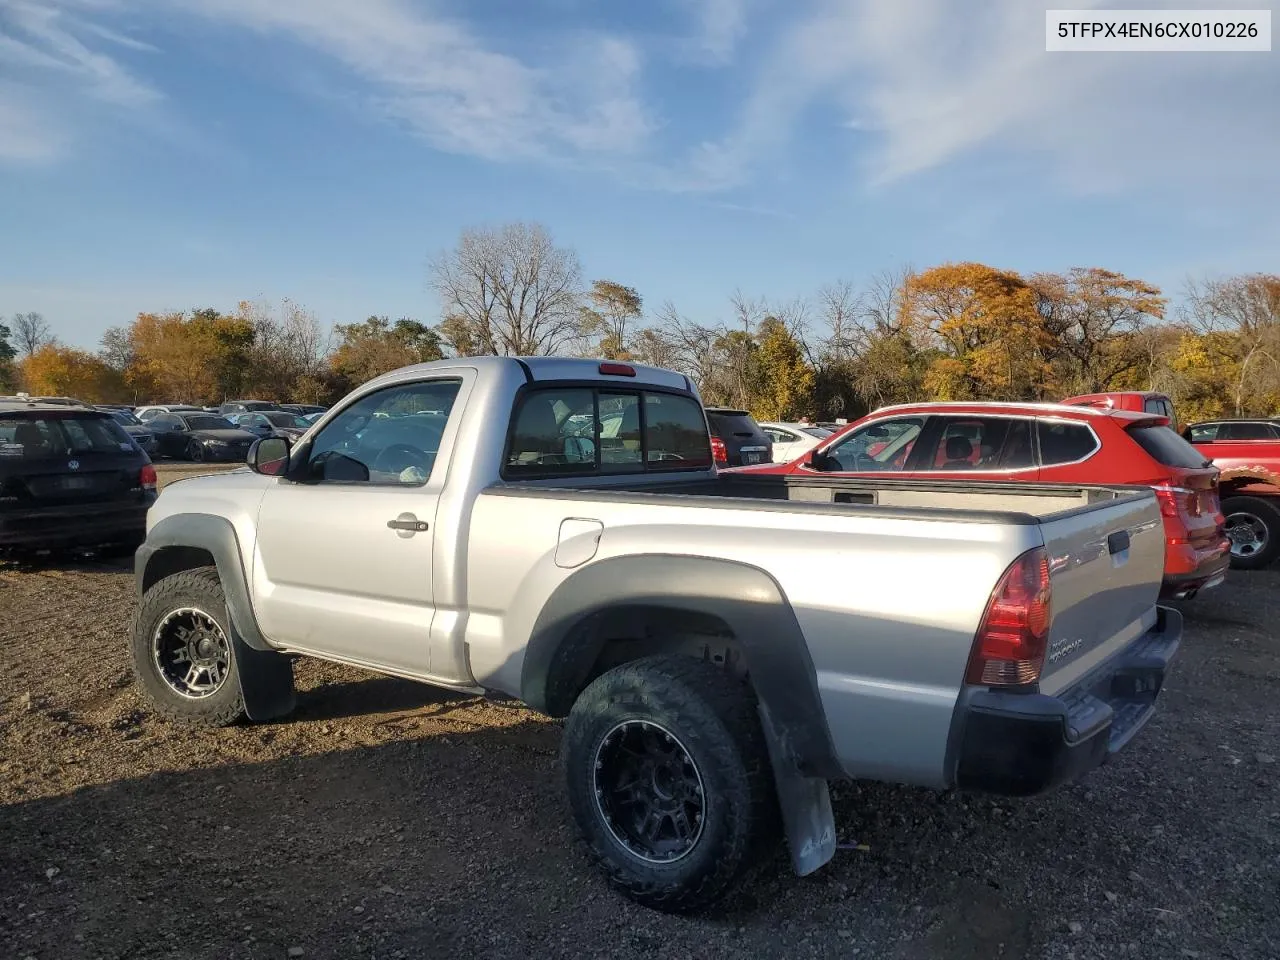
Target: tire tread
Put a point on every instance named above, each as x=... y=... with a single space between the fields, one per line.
x=686 y=685
x=216 y=711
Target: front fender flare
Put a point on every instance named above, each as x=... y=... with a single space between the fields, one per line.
x=266 y=677
x=216 y=535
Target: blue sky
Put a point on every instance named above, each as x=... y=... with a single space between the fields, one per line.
x=166 y=154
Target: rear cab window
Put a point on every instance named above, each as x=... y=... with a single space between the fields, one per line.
x=584 y=431
x=1166 y=447
x=27 y=437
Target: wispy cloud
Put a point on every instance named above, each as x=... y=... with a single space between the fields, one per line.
x=48 y=70
x=719 y=26
x=25 y=134
x=400 y=60
x=45 y=39
x=927 y=83
x=441 y=80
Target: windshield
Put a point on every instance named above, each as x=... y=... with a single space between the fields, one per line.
x=286 y=420
x=209 y=423
x=124 y=416
x=820 y=432
x=34 y=438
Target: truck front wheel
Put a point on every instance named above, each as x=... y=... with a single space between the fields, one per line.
x=669 y=780
x=183 y=656
x=1253 y=527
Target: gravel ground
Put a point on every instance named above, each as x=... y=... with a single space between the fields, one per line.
x=386 y=819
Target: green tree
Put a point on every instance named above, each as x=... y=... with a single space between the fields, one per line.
x=784 y=381
x=610 y=310
x=377 y=346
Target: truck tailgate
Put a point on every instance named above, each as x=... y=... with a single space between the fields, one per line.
x=1106 y=562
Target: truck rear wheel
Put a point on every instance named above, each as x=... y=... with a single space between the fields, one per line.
x=183 y=656
x=1253 y=527
x=669 y=780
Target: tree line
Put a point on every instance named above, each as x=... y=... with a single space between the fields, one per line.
x=958 y=331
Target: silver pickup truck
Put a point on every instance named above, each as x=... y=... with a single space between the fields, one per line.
x=721 y=645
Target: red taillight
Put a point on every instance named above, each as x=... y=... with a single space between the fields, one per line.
x=718 y=451
x=1178 y=501
x=1010 y=645
x=617 y=370
x=148 y=477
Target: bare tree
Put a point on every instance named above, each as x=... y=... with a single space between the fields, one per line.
x=881 y=303
x=289 y=346
x=1248 y=308
x=840 y=309
x=508 y=291
x=30 y=332
x=654 y=346
x=688 y=346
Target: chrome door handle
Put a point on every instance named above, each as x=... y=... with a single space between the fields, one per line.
x=413 y=526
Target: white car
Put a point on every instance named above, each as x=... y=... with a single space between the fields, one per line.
x=147 y=414
x=791 y=440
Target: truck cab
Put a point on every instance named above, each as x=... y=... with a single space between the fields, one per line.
x=1137 y=401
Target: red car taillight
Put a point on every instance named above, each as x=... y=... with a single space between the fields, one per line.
x=1178 y=501
x=148 y=478
x=718 y=451
x=1010 y=646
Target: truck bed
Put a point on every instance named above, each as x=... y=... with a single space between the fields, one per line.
x=871 y=568
x=915 y=499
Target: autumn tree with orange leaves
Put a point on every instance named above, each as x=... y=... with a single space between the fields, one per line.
x=982 y=327
x=58 y=371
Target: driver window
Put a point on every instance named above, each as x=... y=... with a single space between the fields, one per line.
x=877 y=447
x=389 y=438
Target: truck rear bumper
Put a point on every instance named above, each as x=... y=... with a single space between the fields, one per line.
x=1019 y=744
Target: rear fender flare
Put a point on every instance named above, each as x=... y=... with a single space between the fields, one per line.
x=559 y=656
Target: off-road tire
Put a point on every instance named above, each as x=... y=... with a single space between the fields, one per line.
x=715 y=718
x=1267 y=512
x=199 y=588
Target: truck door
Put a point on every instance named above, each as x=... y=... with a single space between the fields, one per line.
x=343 y=561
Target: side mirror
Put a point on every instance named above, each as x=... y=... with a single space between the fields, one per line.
x=269 y=456
x=817 y=460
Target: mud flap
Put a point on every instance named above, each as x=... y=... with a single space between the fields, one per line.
x=805 y=803
x=266 y=681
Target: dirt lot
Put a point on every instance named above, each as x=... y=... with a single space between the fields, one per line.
x=387 y=820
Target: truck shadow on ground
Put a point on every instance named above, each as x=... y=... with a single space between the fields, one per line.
x=376 y=695
x=458 y=843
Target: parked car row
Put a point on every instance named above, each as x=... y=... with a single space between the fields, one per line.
x=1218 y=481
x=75 y=475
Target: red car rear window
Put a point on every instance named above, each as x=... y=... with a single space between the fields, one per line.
x=1167 y=447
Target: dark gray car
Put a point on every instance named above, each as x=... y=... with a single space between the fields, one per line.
x=200 y=437
x=736 y=439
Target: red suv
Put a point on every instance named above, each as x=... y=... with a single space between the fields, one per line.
x=1045 y=443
